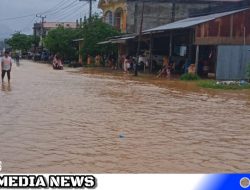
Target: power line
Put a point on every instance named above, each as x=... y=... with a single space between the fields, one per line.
x=67 y=16
x=49 y=11
x=28 y=24
x=58 y=5
x=90 y=6
x=63 y=8
x=20 y=17
x=67 y=11
x=70 y=13
x=14 y=18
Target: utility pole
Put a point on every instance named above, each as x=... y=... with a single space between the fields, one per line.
x=4 y=47
x=42 y=31
x=173 y=11
x=90 y=7
x=139 y=40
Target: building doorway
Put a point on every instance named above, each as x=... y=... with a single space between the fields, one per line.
x=207 y=61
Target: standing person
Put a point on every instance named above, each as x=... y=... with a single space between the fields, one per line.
x=98 y=60
x=17 y=59
x=89 y=61
x=126 y=64
x=6 y=65
x=55 y=62
x=165 y=71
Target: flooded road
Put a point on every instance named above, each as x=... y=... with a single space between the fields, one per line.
x=58 y=121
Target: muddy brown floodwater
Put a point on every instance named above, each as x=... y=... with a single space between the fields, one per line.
x=59 y=121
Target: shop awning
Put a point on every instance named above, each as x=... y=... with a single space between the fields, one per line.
x=118 y=39
x=104 y=42
x=122 y=40
x=78 y=40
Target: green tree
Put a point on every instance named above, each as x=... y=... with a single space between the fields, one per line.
x=94 y=31
x=22 y=42
x=60 y=40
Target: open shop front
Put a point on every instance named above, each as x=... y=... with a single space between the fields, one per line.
x=174 y=45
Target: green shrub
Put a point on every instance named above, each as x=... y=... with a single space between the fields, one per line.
x=217 y=85
x=189 y=76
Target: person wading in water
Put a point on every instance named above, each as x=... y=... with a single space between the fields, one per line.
x=6 y=65
x=57 y=62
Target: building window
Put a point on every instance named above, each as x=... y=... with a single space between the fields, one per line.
x=118 y=18
x=109 y=17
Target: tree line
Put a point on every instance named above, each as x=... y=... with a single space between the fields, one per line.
x=60 y=40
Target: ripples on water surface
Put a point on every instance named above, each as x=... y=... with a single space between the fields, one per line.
x=56 y=121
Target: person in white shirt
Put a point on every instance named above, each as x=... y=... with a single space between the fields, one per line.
x=57 y=62
x=126 y=64
x=6 y=65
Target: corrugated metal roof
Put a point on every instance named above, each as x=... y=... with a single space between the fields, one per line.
x=104 y=42
x=122 y=40
x=78 y=40
x=186 y=23
x=118 y=40
x=127 y=37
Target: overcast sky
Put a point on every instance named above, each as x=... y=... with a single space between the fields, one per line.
x=24 y=12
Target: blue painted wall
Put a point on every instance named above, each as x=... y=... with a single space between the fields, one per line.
x=232 y=62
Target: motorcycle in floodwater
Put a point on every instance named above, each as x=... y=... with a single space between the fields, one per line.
x=57 y=63
x=57 y=67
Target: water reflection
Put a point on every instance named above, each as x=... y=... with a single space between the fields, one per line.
x=6 y=87
x=56 y=121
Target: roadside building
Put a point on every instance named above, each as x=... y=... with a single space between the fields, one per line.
x=125 y=14
x=42 y=29
x=218 y=43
